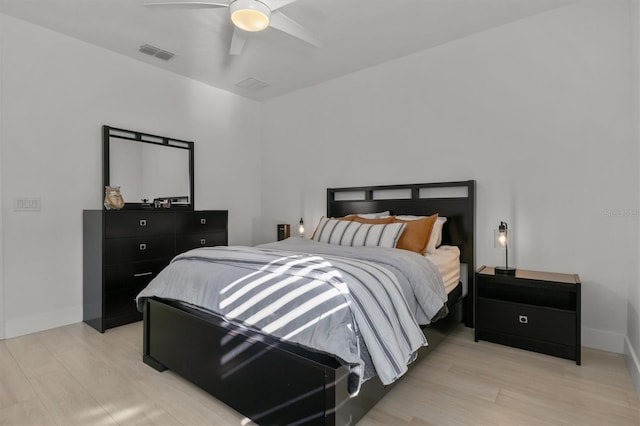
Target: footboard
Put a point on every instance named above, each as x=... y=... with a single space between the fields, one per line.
x=264 y=379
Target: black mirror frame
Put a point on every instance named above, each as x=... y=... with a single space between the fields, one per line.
x=108 y=132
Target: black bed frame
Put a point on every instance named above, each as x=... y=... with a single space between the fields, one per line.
x=275 y=382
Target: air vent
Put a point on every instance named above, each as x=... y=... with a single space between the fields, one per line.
x=147 y=49
x=252 y=84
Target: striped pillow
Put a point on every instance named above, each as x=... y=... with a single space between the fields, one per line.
x=348 y=233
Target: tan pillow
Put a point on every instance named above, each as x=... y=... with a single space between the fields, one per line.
x=416 y=234
x=389 y=219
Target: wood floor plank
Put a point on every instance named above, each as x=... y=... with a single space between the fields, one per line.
x=26 y=413
x=602 y=368
x=381 y=417
x=526 y=405
x=33 y=357
x=634 y=400
x=563 y=390
x=188 y=403
x=67 y=401
x=440 y=405
x=14 y=385
x=91 y=371
x=130 y=407
x=494 y=356
x=576 y=412
x=463 y=382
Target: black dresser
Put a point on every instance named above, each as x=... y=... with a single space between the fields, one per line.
x=124 y=250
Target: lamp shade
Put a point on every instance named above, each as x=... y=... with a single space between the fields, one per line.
x=501 y=236
x=301 y=228
x=501 y=240
x=250 y=15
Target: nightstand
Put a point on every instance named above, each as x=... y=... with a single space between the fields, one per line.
x=537 y=311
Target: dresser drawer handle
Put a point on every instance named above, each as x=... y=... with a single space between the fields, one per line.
x=143 y=246
x=143 y=274
x=523 y=319
x=203 y=221
x=143 y=222
x=203 y=242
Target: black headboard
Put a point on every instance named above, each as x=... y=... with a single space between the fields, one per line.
x=454 y=200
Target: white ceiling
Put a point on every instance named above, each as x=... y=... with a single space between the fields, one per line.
x=356 y=34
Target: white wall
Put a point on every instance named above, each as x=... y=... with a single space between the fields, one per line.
x=536 y=111
x=632 y=341
x=57 y=92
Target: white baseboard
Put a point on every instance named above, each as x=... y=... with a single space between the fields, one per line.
x=47 y=320
x=604 y=340
x=633 y=362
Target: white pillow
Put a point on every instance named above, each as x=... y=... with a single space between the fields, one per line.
x=372 y=215
x=435 y=239
x=436 y=235
x=348 y=233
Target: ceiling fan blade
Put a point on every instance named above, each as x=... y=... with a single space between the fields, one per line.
x=237 y=41
x=277 y=4
x=283 y=23
x=187 y=5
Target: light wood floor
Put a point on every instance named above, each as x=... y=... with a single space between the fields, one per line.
x=74 y=375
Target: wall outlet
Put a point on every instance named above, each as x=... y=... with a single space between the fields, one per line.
x=23 y=204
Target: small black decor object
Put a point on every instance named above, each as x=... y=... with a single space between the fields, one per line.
x=284 y=231
x=501 y=240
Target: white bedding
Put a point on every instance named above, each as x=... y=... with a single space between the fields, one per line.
x=447 y=260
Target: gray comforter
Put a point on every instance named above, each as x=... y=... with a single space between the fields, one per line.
x=328 y=298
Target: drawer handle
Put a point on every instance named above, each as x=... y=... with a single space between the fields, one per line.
x=203 y=242
x=523 y=319
x=143 y=274
x=143 y=246
x=143 y=222
x=203 y=221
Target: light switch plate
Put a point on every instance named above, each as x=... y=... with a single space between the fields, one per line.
x=23 y=204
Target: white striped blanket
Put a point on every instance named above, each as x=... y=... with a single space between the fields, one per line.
x=324 y=302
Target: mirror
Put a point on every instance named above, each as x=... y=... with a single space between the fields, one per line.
x=148 y=167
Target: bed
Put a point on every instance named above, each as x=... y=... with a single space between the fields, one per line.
x=272 y=381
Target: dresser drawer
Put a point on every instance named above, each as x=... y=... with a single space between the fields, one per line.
x=133 y=275
x=204 y=221
x=131 y=224
x=137 y=249
x=191 y=241
x=533 y=322
x=121 y=286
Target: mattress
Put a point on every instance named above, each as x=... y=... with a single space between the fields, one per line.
x=447 y=260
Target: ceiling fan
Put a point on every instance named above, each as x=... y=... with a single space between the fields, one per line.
x=251 y=16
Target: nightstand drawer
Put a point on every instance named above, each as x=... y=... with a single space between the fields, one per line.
x=534 y=322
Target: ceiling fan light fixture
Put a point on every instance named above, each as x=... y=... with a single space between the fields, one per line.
x=250 y=15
